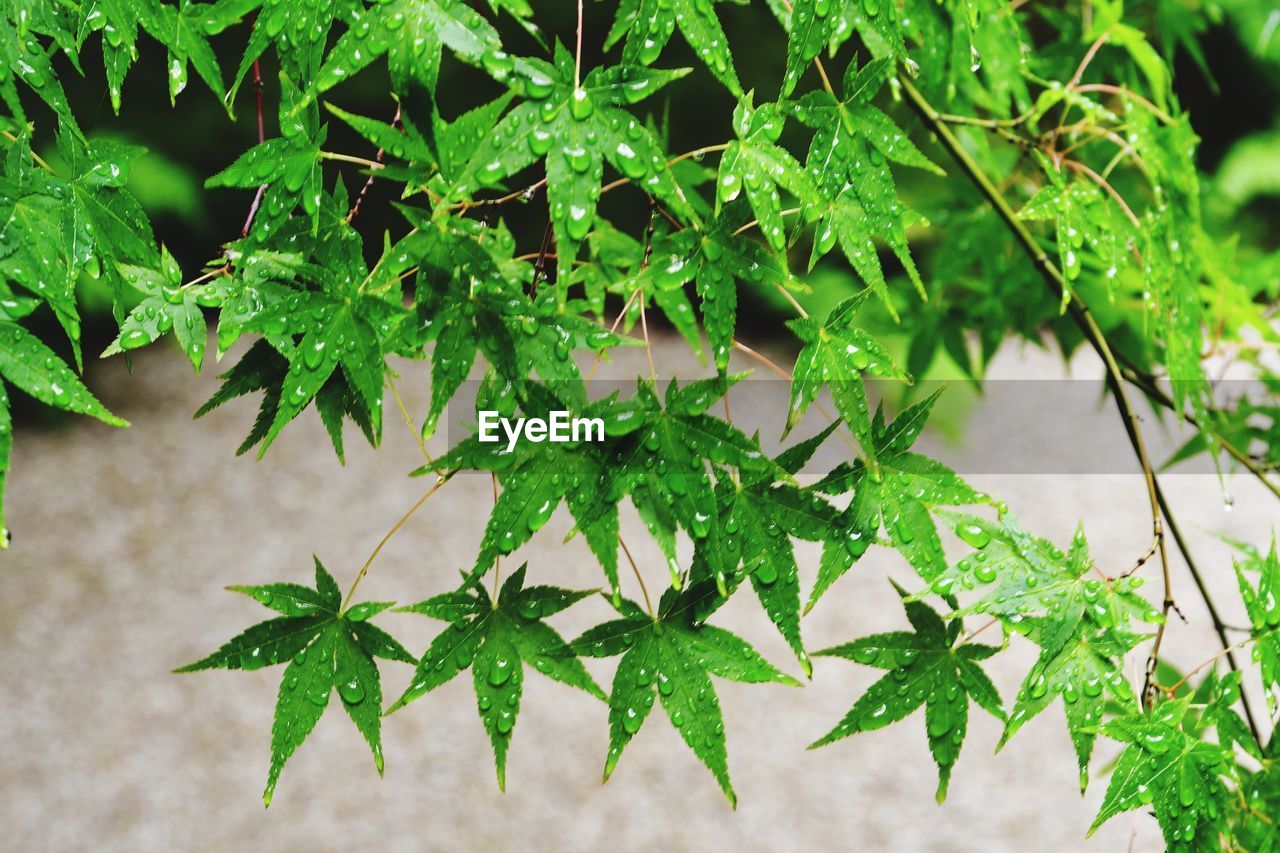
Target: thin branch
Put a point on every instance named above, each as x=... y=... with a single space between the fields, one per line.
x=368 y=184
x=497 y=557
x=1132 y=96
x=1219 y=626
x=348 y=158
x=577 y=54
x=1077 y=166
x=1092 y=333
x=258 y=87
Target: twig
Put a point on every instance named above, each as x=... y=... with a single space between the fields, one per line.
x=368 y=184
x=1219 y=626
x=1092 y=333
x=258 y=87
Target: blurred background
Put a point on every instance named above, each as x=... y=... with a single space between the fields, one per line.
x=123 y=540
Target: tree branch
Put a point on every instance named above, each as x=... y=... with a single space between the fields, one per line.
x=1088 y=326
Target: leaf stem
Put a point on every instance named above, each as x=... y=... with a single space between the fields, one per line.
x=497 y=558
x=39 y=161
x=648 y=604
x=577 y=53
x=364 y=570
x=404 y=413
x=349 y=158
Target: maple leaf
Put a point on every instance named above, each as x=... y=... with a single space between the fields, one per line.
x=326 y=648
x=1082 y=218
x=535 y=478
x=1085 y=669
x=758 y=516
x=837 y=353
x=715 y=259
x=469 y=305
x=1081 y=623
x=927 y=668
x=576 y=128
x=898 y=496
x=166 y=306
x=1024 y=575
x=184 y=30
x=662 y=463
x=494 y=638
x=648 y=25
x=1177 y=775
x=817 y=24
x=411 y=33
x=342 y=325
x=673 y=656
x=1263 y=606
x=848 y=162
x=102 y=224
x=755 y=162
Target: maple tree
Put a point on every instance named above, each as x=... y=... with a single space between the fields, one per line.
x=1047 y=144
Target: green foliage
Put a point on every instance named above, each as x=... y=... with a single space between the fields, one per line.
x=927 y=668
x=327 y=647
x=493 y=638
x=1072 y=203
x=674 y=655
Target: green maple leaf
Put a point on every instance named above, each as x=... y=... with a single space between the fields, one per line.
x=648 y=25
x=23 y=58
x=101 y=223
x=342 y=326
x=411 y=33
x=327 y=648
x=715 y=259
x=924 y=668
x=836 y=354
x=673 y=656
x=662 y=463
x=755 y=163
x=1084 y=669
x=1176 y=775
x=898 y=496
x=576 y=129
x=166 y=306
x=848 y=160
x=1023 y=575
x=817 y=24
x=535 y=478
x=758 y=517
x=493 y=638
x=1263 y=606
x=469 y=304
x=1083 y=219
x=184 y=30
x=1081 y=622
